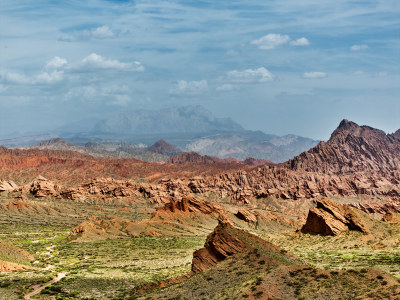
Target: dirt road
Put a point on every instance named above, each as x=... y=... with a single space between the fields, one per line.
x=37 y=288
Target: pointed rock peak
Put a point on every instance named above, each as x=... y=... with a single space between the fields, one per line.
x=346 y=125
x=162 y=147
x=160 y=143
x=397 y=133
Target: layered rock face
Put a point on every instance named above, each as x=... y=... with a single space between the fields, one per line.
x=226 y=240
x=220 y=244
x=350 y=149
x=191 y=205
x=330 y=218
x=246 y=215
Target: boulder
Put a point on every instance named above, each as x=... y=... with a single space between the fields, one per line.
x=330 y=218
x=41 y=187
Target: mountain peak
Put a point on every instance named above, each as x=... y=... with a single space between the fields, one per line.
x=352 y=148
x=346 y=125
x=52 y=142
x=162 y=147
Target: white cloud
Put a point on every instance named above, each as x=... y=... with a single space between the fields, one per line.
x=189 y=87
x=99 y=62
x=271 y=41
x=300 y=42
x=56 y=63
x=43 y=77
x=49 y=78
x=14 y=77
x=358 y=47
x=102 y=32
x=226 y=87
x=250 y=75
x=314 y=75
x=82 y=93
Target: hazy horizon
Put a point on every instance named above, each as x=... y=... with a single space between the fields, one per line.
x=282 y=67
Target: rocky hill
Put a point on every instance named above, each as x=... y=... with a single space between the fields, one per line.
x=352 y=148
x=162 y=147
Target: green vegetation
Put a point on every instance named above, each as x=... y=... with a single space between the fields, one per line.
x=99 y=269
x=111 y=269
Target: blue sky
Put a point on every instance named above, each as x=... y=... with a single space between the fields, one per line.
x=278 y=66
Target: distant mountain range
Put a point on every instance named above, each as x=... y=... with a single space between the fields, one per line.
x=189 y=128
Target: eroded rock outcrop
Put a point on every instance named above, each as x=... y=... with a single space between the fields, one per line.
x=225 y=241
x=330 y=218
x=7 y=186
x=246 y=215
x=220 y=244
x=41 y=187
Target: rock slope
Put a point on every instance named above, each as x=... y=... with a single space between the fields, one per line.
x=352 y=148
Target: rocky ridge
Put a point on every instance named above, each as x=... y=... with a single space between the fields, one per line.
x=351 y=148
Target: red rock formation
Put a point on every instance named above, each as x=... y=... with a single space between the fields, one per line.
x=256 y=161
x=193 y=157
x=379 y=208
x=190 y=205
x=246 y=215
x=41 y=187
x=226 y=241
x=330 y=218
x=351 y=148
x=220 y=244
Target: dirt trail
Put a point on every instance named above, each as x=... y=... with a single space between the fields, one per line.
x=37 y=288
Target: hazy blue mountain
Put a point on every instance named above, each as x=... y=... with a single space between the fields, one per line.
x=190 y=128
x=186 y=119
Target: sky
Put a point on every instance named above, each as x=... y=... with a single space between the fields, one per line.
x=280 y=66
